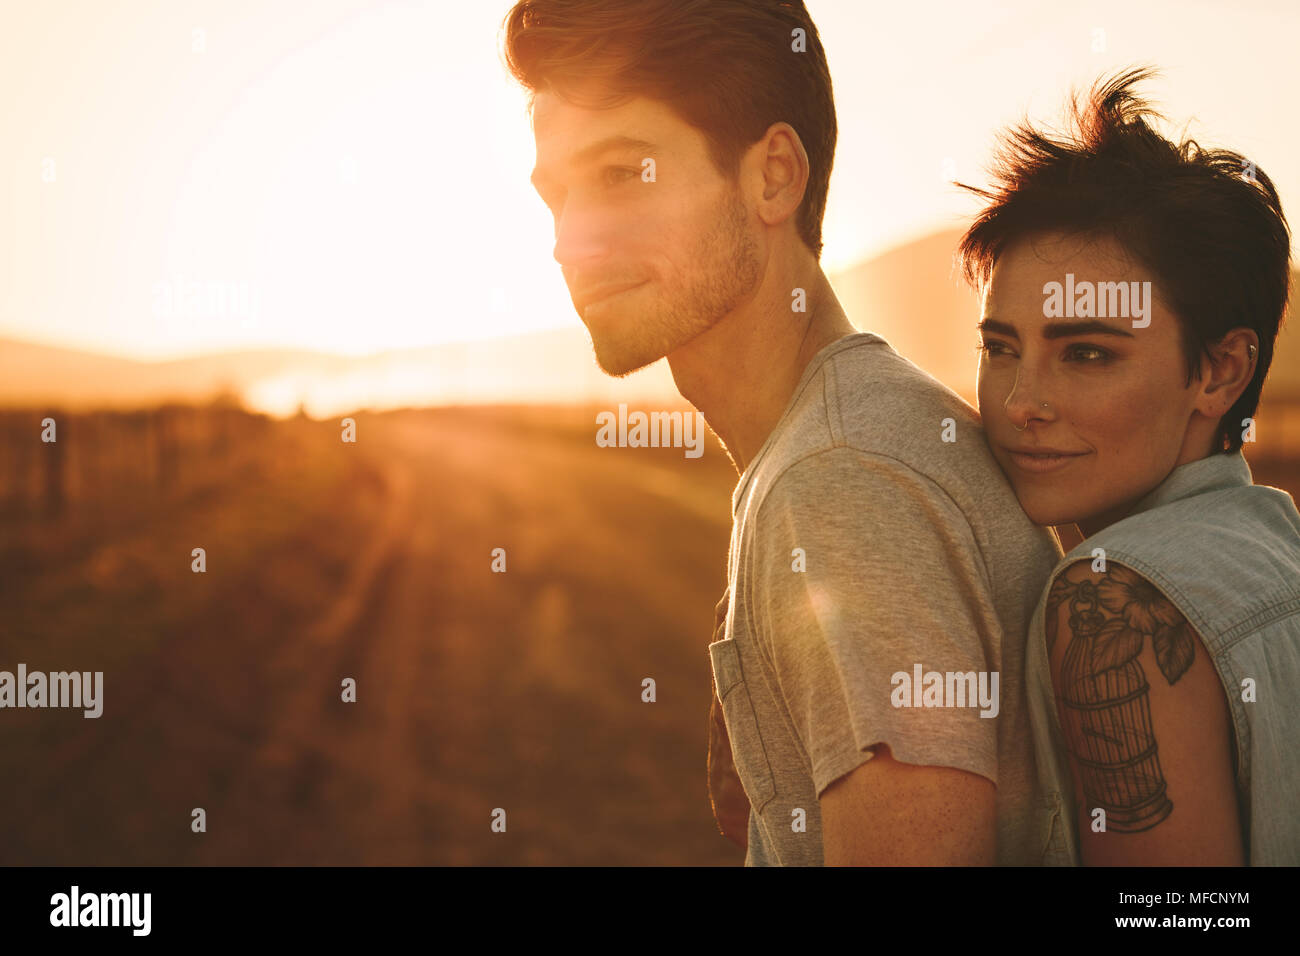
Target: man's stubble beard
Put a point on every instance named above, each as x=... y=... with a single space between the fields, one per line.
x=724 y=271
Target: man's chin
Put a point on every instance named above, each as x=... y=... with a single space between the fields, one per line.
x=616 y=355
x=620 y=362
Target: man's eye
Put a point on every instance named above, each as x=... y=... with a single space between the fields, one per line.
x=616 y=174
x=992 y=348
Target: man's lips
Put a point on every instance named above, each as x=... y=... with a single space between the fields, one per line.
x=589 y=297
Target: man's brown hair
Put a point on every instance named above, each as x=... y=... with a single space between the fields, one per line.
x=727 y=67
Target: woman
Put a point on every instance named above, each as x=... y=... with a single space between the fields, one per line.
x=1133 y=290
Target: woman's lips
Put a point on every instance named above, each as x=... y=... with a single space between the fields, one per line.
x=1039 y=463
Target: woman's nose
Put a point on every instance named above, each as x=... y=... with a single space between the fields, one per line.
x=1026 y=401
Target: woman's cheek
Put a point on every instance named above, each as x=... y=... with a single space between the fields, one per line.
x=1114 y=407
x=991 y=391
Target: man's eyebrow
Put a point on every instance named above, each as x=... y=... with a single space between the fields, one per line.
x=1056 y=330
x=588 y=153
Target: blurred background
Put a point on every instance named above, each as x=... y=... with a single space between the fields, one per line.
x=227 y=226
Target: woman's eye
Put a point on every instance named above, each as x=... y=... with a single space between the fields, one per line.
x=1088 y=354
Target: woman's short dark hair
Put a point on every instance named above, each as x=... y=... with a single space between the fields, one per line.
x=1207 y=223
x=727 y=67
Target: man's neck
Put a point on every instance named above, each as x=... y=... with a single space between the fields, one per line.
x=741 y=372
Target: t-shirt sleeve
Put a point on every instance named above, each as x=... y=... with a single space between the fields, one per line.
x=887 y=576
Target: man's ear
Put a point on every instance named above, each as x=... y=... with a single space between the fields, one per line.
x=778 y=168
x=1228 y=373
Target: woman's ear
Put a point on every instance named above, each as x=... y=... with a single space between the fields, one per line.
x=1234 y=359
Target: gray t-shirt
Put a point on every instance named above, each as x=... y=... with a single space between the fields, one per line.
x=876 y=545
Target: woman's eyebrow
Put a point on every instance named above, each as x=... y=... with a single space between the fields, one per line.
x=1056 y=330
x=1001 y=328
x=1060 y=330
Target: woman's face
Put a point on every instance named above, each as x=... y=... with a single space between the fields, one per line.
x=1117 y=407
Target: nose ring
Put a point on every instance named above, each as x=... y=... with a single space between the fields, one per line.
x=1027 y=423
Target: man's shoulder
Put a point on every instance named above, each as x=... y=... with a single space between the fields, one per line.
x=875 y=395
x=866 y=405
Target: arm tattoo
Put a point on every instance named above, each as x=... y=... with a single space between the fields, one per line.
x=1103 y=689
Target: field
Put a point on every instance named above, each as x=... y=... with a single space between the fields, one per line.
x=328 y=560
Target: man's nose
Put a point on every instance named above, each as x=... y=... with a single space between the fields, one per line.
x=582 y=235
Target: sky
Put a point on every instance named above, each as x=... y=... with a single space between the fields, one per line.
x=186 y=176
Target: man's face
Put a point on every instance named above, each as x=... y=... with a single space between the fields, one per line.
x=1117 y=403
x=649 y=264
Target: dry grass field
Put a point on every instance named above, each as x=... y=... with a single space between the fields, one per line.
x=328 y=560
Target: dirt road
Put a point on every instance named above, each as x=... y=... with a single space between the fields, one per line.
x=475 y=690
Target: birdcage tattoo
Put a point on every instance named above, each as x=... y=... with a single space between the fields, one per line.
x=1107 y=719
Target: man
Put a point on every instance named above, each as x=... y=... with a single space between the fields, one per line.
x=685 y=151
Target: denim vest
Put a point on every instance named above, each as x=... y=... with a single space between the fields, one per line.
x=1226 y=553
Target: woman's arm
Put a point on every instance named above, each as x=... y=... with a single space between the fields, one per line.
x=1146 y=723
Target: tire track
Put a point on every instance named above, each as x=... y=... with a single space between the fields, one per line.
x=298 y=752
